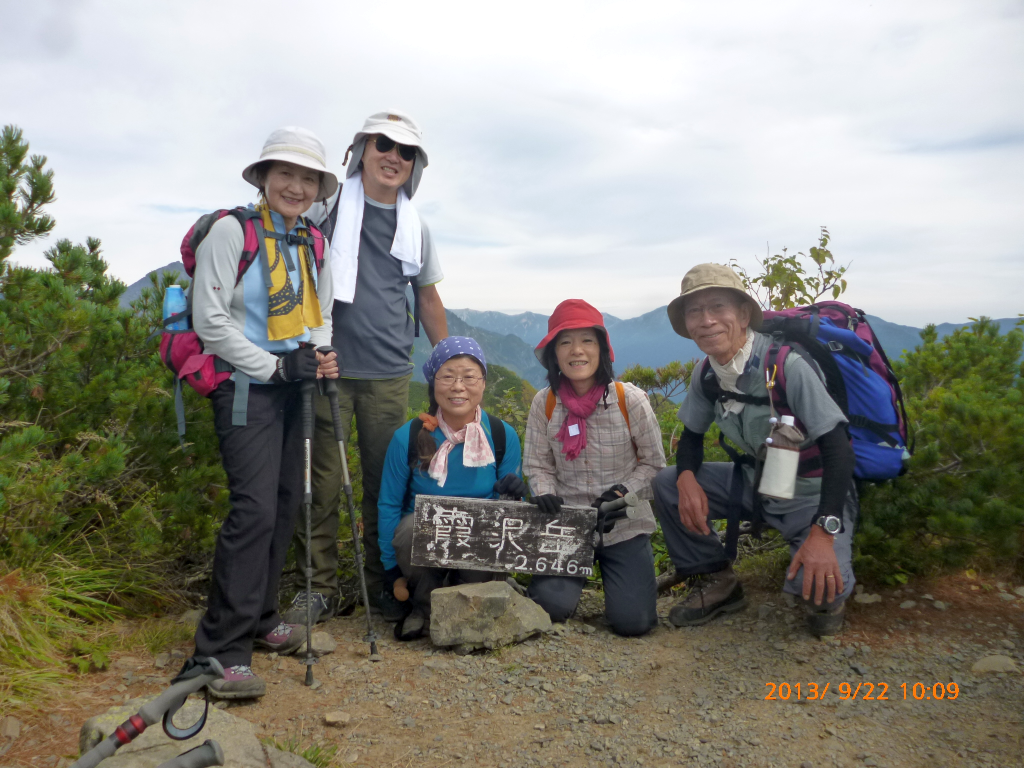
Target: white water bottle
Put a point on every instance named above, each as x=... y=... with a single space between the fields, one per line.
x=778 y=475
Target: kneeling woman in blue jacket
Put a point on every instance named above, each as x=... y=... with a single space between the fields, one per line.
x=453 y=455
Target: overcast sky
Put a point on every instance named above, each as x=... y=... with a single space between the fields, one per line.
x=578 y=149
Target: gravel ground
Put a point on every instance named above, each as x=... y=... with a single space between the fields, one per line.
x=693 y=697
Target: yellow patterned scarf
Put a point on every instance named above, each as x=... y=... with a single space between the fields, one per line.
x=289 y=312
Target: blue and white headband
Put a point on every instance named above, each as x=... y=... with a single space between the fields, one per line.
x=451 y=347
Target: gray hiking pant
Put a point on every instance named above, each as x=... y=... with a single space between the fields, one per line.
x=422 y=581
x=696 y=553
x=630 y=588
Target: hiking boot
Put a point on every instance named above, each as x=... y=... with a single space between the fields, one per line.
x=825 y=621
x=284 y=638
x=324 y=608
x=239 y=682
x=387 y=606
x=710 y=594
x=413 y=626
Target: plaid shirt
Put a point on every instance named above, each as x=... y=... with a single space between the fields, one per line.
x=608 y=459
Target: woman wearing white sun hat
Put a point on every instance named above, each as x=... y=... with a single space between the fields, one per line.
x=265 y=324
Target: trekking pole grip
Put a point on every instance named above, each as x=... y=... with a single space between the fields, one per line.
x=306 y=393
x=331 y=389
x=625 y=507
x=332 y=397
x=206 y=754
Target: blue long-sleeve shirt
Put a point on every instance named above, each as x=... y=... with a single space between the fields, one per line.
x=400 y=484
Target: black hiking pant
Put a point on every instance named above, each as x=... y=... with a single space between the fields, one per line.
x=263 y=461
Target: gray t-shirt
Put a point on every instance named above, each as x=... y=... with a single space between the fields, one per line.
x=374 y=334
x=805 y=393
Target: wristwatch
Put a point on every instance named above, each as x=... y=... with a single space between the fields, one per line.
x=830 y=524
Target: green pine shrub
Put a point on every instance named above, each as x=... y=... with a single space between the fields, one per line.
x=962 y=501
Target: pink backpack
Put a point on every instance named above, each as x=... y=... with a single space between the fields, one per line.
x=182 y=351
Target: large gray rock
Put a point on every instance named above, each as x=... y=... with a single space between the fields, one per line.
x=996 y=663
x=487 y=615
x=236 y=737
x=323 y=644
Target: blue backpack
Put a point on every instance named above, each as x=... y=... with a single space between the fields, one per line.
x=857 y=374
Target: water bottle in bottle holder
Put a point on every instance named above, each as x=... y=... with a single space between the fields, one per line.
x=782 y=459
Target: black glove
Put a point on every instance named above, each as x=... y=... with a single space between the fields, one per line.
x=391 y=575
x=298 y=365
x=615 y=492
x=549 y=504
x=511 y=485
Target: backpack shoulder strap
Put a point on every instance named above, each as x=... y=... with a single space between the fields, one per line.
x=712 y=390
x=319 y=241
x=709 y=386
x=254 y=244
x=620 y=393
x=414 y=432
x=819 y=356
x=549 y=406
x=498 y=437
x=328 y=225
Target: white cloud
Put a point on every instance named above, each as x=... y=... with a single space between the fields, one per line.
x=577 y=149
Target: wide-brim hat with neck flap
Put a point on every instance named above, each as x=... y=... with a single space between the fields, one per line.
x=702 y=277
x=301 y=147
x=398 y=127
x=570 y=315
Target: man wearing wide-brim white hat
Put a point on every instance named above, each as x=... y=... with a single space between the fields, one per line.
x=379 y=246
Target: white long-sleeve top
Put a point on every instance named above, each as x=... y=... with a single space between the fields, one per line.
x=232 y=319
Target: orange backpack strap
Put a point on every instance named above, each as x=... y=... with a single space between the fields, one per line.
x=620 y=393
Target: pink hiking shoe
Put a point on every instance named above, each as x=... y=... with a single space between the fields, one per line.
x=239 y=682
x=284 y=638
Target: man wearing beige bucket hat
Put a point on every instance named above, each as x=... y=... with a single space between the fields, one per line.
x=380 y=247
x=815 y=515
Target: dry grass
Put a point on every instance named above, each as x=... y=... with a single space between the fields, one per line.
x=58 y=620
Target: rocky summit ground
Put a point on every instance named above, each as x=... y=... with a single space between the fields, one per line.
x=583 y=697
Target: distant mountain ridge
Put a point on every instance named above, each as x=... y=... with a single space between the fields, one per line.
x=509 y=339
x=649 y=339
x=135 y=289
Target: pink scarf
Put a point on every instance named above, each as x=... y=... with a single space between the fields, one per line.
x=477 y=452
x=573 y=433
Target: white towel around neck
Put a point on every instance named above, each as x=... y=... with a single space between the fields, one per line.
x=731 y=371
x=407 y=246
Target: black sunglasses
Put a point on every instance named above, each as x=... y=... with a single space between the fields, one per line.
x=385 y=145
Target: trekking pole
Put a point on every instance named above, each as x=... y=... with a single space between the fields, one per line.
x=306 y=393
x=624 y=506
x=339 y=435
x=200 y=671
x=205 y=755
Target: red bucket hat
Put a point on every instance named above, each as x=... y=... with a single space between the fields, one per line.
x=570 y=315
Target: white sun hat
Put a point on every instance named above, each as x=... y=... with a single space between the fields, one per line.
x=301 y=147
x=398 y=127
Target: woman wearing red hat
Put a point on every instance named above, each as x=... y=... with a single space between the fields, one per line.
x=590 y=439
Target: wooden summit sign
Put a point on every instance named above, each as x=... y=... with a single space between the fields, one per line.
x=504 y=536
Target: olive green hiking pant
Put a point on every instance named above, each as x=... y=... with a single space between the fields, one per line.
x=380 y=407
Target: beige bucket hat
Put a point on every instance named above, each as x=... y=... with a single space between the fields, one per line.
x=702 y=277
x=398 y=127
x=299 y=146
